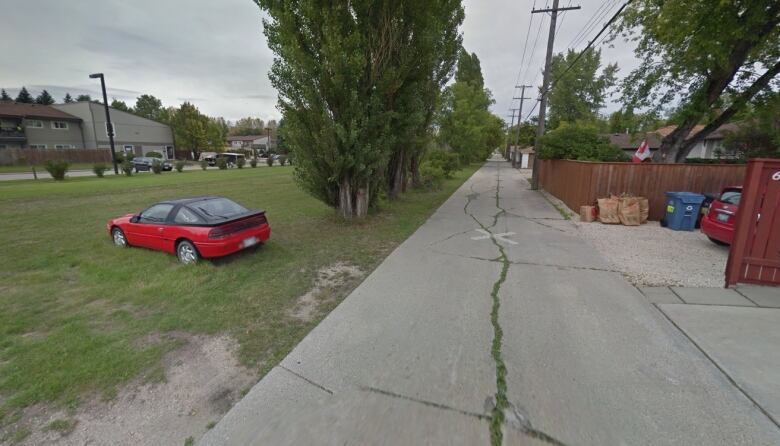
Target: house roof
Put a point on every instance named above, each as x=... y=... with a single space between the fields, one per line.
x=245 y=138
x=629 y=141
x=20 y=110
x=719 y=133
x=527 y=150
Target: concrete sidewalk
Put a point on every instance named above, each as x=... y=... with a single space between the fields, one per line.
x=495 y=322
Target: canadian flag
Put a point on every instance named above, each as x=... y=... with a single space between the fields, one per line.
x=642 y=153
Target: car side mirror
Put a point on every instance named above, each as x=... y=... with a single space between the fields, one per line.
x=135 y=218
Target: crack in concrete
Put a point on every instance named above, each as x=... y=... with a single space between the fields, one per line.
x=424 y=402
x=523 y=424
x=319 y=386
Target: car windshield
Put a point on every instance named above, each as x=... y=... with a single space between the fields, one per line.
x=219 y=207
x=731 y=196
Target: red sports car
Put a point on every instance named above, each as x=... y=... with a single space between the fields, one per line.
x=192 y=228
x=719 y=222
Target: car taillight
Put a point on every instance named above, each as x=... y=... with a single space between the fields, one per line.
x=241 y=225
x=217 y=233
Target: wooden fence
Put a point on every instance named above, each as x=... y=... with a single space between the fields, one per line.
x=39 y=156
x=579 y=183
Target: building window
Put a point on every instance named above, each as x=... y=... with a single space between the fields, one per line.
x=59 y=125
x=34 y=124
x=37 y=146
x=129 y=148
x=63 y=146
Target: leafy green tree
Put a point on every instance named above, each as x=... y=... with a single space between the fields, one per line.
x=758 y=133
x=577 y=141
x=4 y=96
x=149 y=107
x=527 y=134
x=465 y=124
x=694 y=51
x=579 y=93
x=67 y=99
x=24 y=96
x=248 y=126
x=626 y=120
x=344 y=70
x=83 y=98
x=44 y=98
x=190 y=128
x=120 y=105
x=216 y=132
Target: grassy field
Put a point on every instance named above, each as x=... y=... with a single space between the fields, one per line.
x=40 y=168
x=74 y=308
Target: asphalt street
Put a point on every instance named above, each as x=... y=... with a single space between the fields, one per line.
x=495 y=323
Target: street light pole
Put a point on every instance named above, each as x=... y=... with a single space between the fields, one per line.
x=109 y=125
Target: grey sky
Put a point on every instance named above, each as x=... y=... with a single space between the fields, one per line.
x=213 y=53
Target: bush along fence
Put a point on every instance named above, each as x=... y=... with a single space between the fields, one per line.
x=581 y=183
x=9 y=157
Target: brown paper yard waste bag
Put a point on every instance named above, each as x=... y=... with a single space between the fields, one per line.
x=644 y=209
x=608 y=211
x=628 y=211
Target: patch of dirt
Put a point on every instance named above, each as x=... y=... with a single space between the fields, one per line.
x=329 y=282
x=203 y=380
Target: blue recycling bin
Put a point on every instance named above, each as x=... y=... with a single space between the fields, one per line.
x=682 y=210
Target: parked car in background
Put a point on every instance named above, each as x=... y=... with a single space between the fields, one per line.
x=718 y=223
x=144 y=163
x=192 y=228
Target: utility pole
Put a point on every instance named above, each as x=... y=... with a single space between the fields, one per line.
x=109 y=125
x=519 y=119
x=509 y=130
x=545 y=83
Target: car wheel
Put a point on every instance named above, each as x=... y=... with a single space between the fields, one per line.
x=717 y=242
x=186 y=252
x=119 y=238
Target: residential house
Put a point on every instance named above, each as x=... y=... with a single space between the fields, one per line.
x=248 y=142
x=712 y=146
x=38 y=126
x=132 y=133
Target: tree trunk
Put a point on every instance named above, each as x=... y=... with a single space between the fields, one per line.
x=361 y=202
x=396 y=176
x=345 y=198
x=414 y=168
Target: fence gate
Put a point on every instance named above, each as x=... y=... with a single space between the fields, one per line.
x=755 y=253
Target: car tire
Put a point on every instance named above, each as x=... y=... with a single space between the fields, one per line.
x=119 y=238
x=187 y=253
x=717 y=242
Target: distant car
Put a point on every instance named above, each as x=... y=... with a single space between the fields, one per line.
x=719 y=222
x=144 y=163
x=192 y=228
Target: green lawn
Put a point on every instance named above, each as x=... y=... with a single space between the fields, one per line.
x=40 y=168
x=73 y=308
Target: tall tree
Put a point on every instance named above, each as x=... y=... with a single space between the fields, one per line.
x=190 y=128
x=83 y=98
x=44 y=98
x=579 y=91
x=248 y=126
x=148 y=107
x=626 y=120
x=342 y=72
x=120 y=105
x=67 y=99
x=4 y=96
x=465 y=123
x=695 y=51
x=758 y=133
x=24 y=96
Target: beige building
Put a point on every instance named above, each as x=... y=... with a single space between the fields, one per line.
x=38 y=126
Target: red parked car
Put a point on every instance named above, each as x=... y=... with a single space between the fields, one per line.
x=192 y=228
x=719 y=222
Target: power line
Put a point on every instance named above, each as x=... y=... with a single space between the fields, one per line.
x=533 y=50
x=592 y=21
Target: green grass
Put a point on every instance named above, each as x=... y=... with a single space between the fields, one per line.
x=74 y=309
x=40 y=168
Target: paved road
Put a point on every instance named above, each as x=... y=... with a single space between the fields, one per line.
x=82 y=173
x=495 y=322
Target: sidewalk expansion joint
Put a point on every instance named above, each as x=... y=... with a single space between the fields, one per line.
x=319 y=386
x=424 y=402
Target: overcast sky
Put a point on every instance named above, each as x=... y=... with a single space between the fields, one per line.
x=214 y=54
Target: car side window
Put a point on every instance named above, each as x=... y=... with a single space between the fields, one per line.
x=156 y=214
x=186 y=216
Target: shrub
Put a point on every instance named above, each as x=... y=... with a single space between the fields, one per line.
x=579 y=142
x=204 y=164
x=282 y=160
x=154 y=154
x=449 y=162
x=179 y=166
x=270 y=160
x=253 y=162
x=127 y=167
x=222 y=163
x=431 y=175
x=57 y=169
x=240 y=162
x=99 y=169
x=157 y=166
